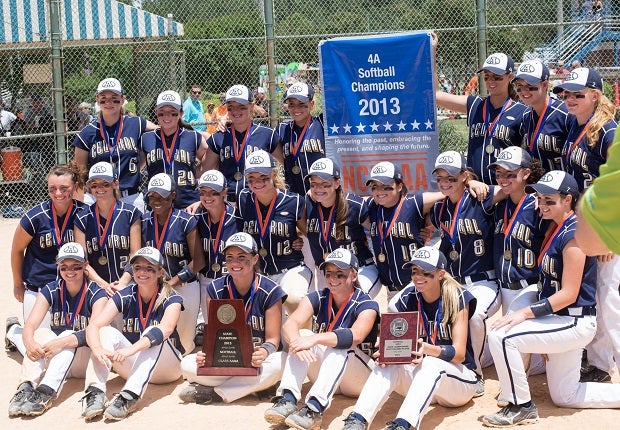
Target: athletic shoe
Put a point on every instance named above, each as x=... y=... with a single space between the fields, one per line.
x=596 y=375
x=304 y=419
x=280 y=410
x=10 y=322
x=394 y=426
x=38 y=402
x=120 y=407
x=512 y=415
x=352 y=423
x=199 y=334
x=95 y=403
x=479 y=387
x=199 y=394
x=21 y=395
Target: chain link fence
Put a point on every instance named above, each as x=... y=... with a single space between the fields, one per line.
x=224 y=43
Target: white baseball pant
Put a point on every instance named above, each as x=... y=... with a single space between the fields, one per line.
x=14 y=334
x=296 y=283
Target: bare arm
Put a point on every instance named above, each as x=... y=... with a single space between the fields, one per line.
x=587 y=239
x=21 y=240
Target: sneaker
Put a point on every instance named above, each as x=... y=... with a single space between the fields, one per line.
x=17 y=402
x=352 y=423
x=512 y=415
x=38 y=402
x=95 y=403
x=479 y=387
x=280 y=410
x=199 y=394
x=199 y=334
x=596 y=375
x=394 y=426
x=120 y=407
x=304 y=419
x=10 y=322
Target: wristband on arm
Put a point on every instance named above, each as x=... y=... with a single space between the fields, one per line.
x=269 y=347
x=185 y=274
x=155 y=336
x=447 y=353
x=344 y=338
x=541 y=308
x=81 y=338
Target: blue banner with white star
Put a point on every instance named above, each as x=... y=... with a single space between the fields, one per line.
x=379 y=105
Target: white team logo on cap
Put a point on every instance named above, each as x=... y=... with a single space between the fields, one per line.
x=422 y=254
x=235 y=92
x=319 y=165
x=108 y=84
x=573 y=76
x=295 y=89
x=71 y=249
x=256 y=159
x=505 y=155
x=527 y=68
x=378 y=170
x=547 y=177
x=236 y=238
x=493 y=60
x=156 y=182
x=210 y=177
x=445 y=159
x=145 y=251
x=168 y=97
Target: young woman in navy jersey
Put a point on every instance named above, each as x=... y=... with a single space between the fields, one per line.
x=591 y=134
x=263 y=311
x=466 y=226
x=57 y=352
x=303 y=139
x=216 y=223
x=442 y=364
x=229 y=149
x=395 y=219
x=334 y=220
x=494 y=121
x=174 y=148
x=147 y=349
x=275 y=217
x=113 y=137
x=37 y=239
x=109 y=230
x=560 y=324
x=173 y=232
x=545 y=123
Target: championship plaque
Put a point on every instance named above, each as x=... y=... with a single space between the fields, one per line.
x=228 y=340
x=398 y=337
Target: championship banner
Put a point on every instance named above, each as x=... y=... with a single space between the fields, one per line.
x=379 y=105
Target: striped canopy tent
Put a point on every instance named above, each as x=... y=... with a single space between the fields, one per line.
x=26 y=23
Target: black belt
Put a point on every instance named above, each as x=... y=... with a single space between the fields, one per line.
x=482 y=276
x=367 y=262
x=518 y=285
x=582 y=311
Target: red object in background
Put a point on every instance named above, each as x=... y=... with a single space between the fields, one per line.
x=616 y=94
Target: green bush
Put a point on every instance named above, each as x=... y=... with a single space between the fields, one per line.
x=453 y=135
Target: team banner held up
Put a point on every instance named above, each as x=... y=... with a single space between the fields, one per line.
x=379 y=105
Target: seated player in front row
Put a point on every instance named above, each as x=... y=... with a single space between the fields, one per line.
x=58 y=352
x=442 y=369
x=262 y=300
x=345 y=322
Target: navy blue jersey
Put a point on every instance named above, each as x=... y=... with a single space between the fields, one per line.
x=412 y=301
x=280 y=233
x=208 y=231
x=354 y=235
x=174 y=247
x=472 y=237
x=260 y=137
x=323 y=316
x=65 y=310
x=39 y=267
x=552 y=264
x=484 y=131
x=546 y=142
x=263 y=294
x=123 y=156
x=126 y=301
x=582 y=160
x=524 y=240
x=115 y=248
x=400 y=242
x=310 y=149
x=182 y=165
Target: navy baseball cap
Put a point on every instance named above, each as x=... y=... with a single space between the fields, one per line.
x=384 y=172
x=450 y=161
x=243 y=241
x=342 y=258
x=150 y=254
x=553 y=182
x=325 y=169
x=533 y=72
x=579 y=79
x=498 y=63
x=512 y=158
x=428 y=258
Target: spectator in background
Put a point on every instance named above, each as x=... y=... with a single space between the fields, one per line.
x=193 y=112
x=221 y=110
x=211 y=117
x=84 y=114
x=7 y=118
x=71 y=114
x=575 y=65
x=38 y=116
x=261 y=105
x=560 y=71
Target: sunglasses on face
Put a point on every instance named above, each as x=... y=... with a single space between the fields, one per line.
x=569 y=94
x=75 y=268
x=530 y=88
x=196 y=92
x=160 y=114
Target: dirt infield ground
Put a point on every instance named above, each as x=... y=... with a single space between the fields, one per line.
x=160 y=408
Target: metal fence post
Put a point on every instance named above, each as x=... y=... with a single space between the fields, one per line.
x=271 y=67
x=60 y=129
x=481 y=35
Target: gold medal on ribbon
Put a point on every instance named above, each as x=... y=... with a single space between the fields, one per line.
x=102 y=260
x=381 y=257
x=453 y=254
x=216 y=267
x=262 y=252
x=490 y=149
x=507 y=254
x=238 y=176
x=296 y=169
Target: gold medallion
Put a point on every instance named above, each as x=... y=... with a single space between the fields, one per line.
x=102 y=260
x=507 y=254
x=296 y=169
x=381 y=257
x=262 y=252
x=490 y=149
x=226 y=314
x=453 y=255
x=216 y=267
x=539 y=285
x=238 y=176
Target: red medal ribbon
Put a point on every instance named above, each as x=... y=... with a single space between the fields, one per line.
x=325 y=231
x=169 y=151
x=58 y=234
x=240 y=151
x=78 y=305
x=263 y=224
x=108 y=222
x=300 y=138
x=508 y=224
x=330 y=310
x=550 y=236
x=159 y=239
x=541 y=120
x=215 y=246
x=491 y=127
x=248 y=304
x=576 y=142
x=144 y=321
x=117 y=134
x=384 y=233
x=454 y=220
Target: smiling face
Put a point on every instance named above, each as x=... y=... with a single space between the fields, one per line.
x=497 y=84
x=240 y=264
x=339 y=280
x=300 y=111
x=211 y=199
x=168 y=119
x=110 y=103
x=71 y=270
x=451 y=186
x=531 y=95
x=260 y=184
x=426 y=282
x=553 y=206
x=60 y=189
x=239 y=114
x=386 y=195
x=103 y=190
x=323 y=191
x=146 y=273
x=581 y=103
x=160 y=205
x=513 y=181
